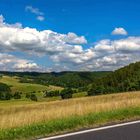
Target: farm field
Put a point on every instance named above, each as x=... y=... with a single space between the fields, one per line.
x=21 y=115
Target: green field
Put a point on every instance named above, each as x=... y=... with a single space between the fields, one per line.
x=25 y=88
x=15 y=85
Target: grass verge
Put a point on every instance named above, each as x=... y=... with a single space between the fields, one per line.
x=72 y=123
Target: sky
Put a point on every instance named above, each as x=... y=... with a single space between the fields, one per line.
x=68 y=35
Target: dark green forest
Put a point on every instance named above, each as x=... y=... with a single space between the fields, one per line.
x=5 y=92
x=64 y=79
x=122 y=80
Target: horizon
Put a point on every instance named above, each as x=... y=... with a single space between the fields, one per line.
x=73 y=35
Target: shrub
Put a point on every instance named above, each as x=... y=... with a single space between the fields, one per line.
x=54 y=93
x=17 y=95
x=28 y=95
x=5 y=96
x=5 y=92
x=96 y=90
x=33 y=97
x=4 y=88
x=66 y=93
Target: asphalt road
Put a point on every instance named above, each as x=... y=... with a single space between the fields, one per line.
x=130 y=131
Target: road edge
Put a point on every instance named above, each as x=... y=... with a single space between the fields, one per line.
x=90 y=130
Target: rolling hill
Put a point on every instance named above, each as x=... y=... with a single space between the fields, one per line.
x=64 y=79
x=16 y=86
x=121 y=80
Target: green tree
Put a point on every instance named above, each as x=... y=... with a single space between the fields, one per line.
x=53 y=93
x=33 y=97
x=5 y=92
x=28 y=95
x=17 y=95
x=66 y=93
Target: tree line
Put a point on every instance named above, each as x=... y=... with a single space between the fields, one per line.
x=63 y=79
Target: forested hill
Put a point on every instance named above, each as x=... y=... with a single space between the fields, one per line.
x=64 y=79
x=124 y=79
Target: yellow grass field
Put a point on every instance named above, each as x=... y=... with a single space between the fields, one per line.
x=20 y=113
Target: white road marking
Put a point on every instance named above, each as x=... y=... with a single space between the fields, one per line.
x=90 y=130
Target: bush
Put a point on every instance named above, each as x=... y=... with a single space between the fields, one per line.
x=33 y=97
x=96 y=90
x=5 y=92
x=66 y=93
x=17 y=95
x=8 y=96
x=28 y=95
x=54 y=93
x=5 y=96
x=4 y=88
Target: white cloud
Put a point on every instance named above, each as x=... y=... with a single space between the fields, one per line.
x=131 y=44
x=12 y=63
x=40 y=18
x=72 y=38
x=26 y=66
x=65 y=50
x=1 y=19
x=36 y=11
x=119 y=31
x=39 y=42
x=3 y=24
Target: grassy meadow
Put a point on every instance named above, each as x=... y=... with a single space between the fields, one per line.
x=34 y=119
x=16 y=86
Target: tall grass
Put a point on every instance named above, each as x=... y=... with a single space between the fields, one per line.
x=12 y=115
x=56 y=126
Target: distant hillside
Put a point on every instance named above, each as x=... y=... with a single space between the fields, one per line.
x=124 y=79
x=64 y=79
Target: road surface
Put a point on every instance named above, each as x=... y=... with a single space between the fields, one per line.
x=125 y=131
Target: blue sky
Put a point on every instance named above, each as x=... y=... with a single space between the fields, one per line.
x=94 y=20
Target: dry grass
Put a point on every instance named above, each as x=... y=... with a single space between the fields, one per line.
x=14 y=115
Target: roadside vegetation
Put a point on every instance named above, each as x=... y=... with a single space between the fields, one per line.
x=36 y=119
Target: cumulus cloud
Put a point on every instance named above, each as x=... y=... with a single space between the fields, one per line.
x=36 y=11
x=26 y=66
x=119 y=31
x=66 y=51
x=12 y=63
x=72 y=38
x=4 y=24
x=114 y=54
x=43 y=42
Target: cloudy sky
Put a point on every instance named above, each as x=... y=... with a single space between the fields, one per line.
x=63 y=35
